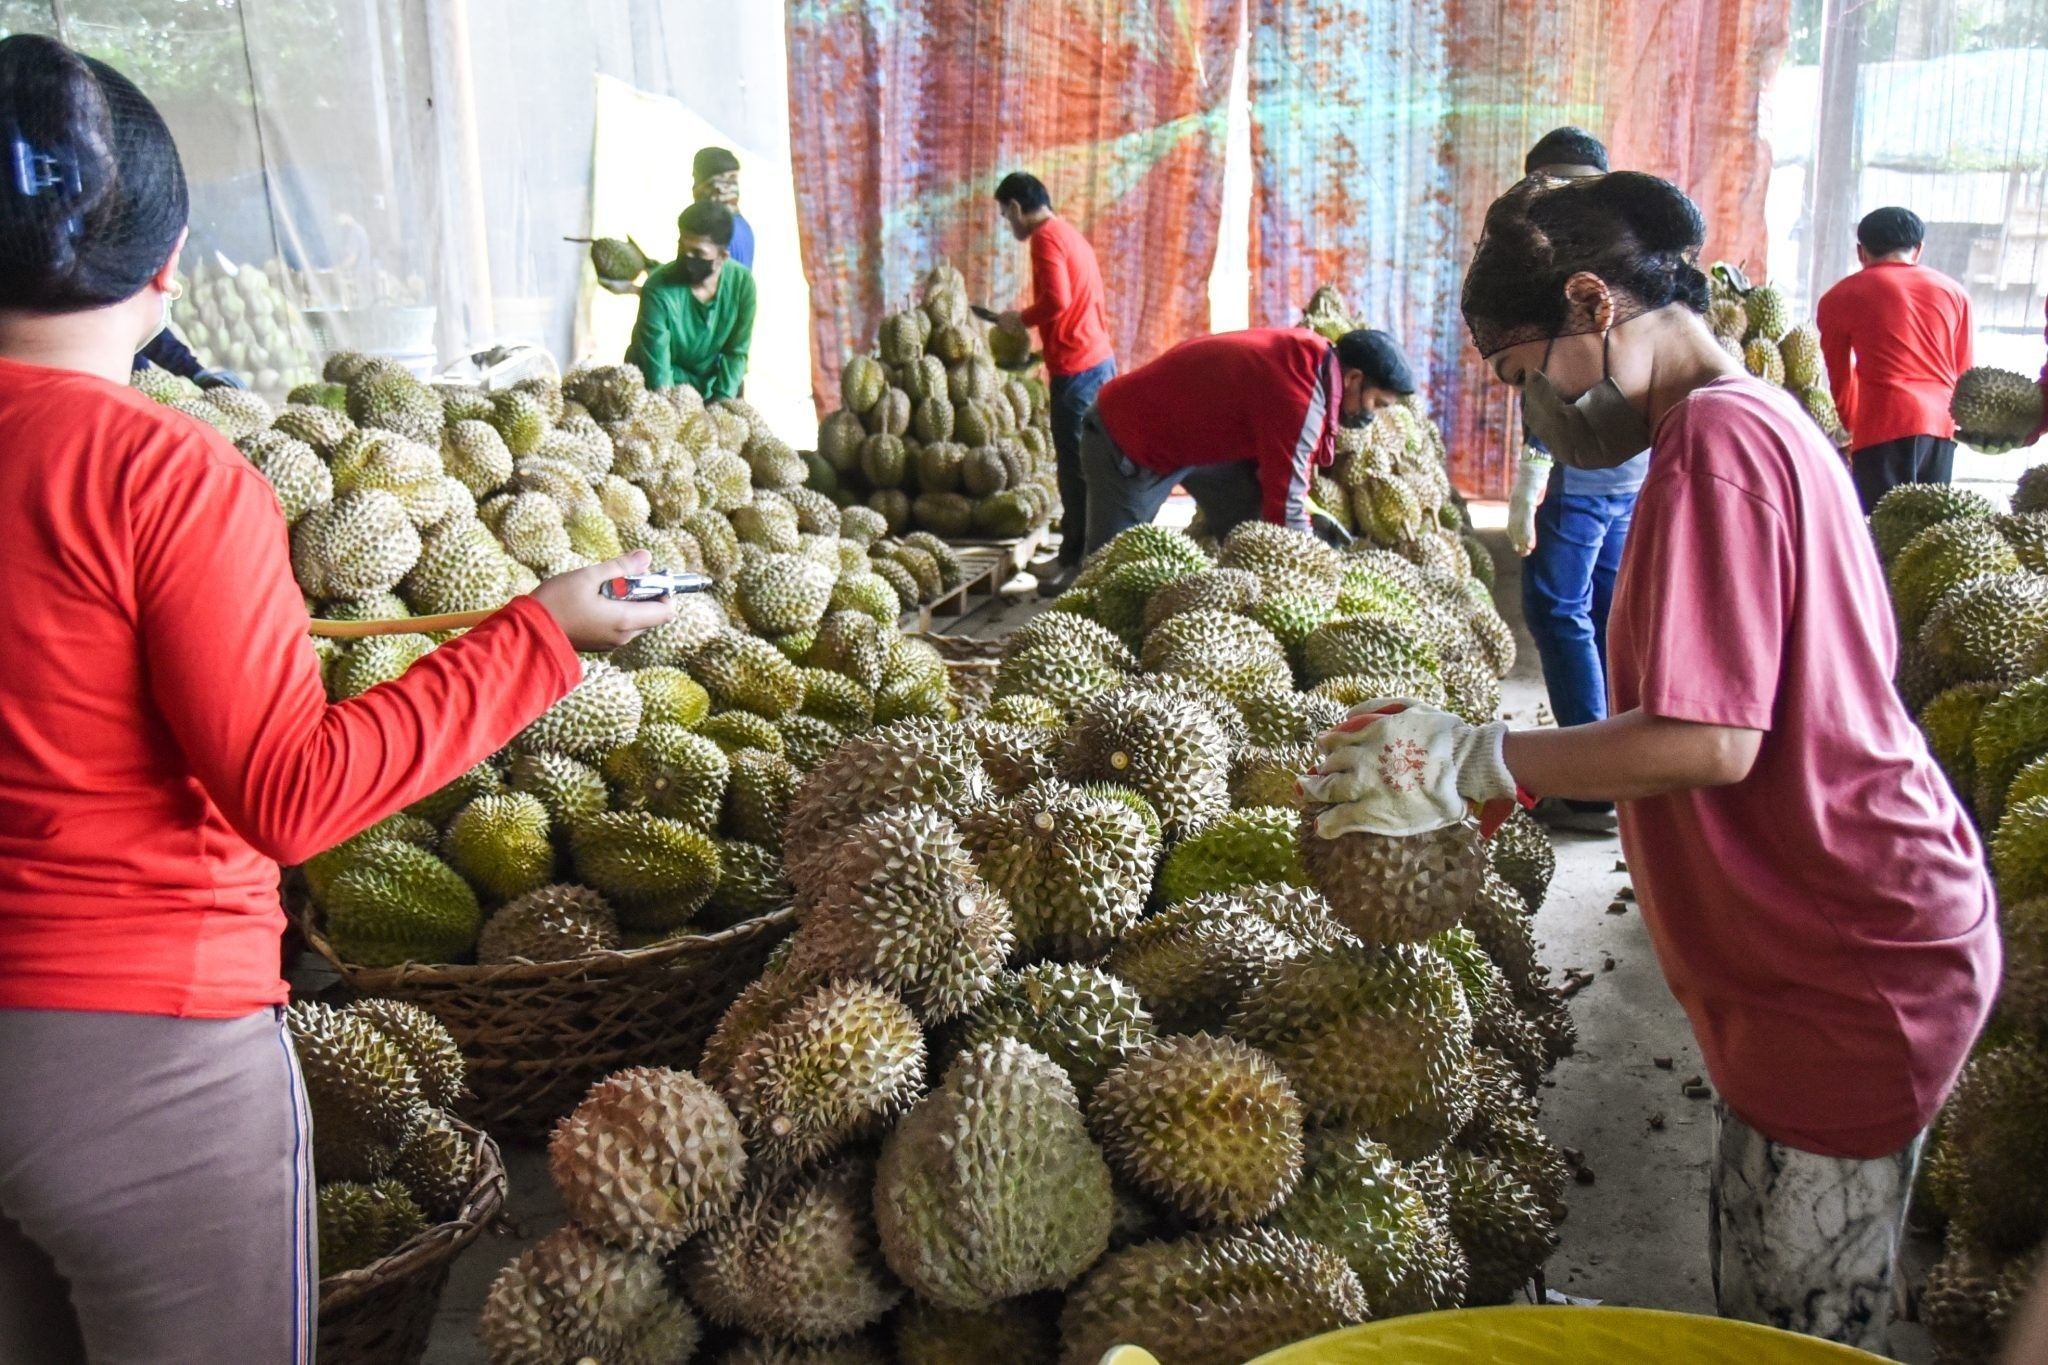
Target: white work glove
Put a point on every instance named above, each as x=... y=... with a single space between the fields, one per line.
x=1532 y=476
x=1398 y=767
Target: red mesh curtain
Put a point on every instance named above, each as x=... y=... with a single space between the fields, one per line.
x=903 y=116
x=1381 y=129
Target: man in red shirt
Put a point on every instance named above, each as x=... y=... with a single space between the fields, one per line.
x=1240 y=419
x=1907 y=327
x=1073 y=332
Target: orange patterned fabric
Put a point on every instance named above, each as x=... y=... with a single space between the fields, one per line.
x=904 y=116
x=1381 y=132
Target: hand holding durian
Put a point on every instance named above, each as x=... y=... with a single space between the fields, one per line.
x=1398 y=767
x=1997 y=410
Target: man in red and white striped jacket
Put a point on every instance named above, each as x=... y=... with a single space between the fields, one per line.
x=1242 y=420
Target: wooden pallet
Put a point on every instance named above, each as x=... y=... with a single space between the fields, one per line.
x=986 y=565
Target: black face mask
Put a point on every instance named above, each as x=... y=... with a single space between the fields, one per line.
x=693 y=269
x=1357 y=421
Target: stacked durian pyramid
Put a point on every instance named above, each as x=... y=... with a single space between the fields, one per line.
x=934 y=435
x=649 y=801
x=1970 y=586
x=1388 y=484
x=1085 y=1035
x=381 y=1077
x=1753 y=323
x=243 y=318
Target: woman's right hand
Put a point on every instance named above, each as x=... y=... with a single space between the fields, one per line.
x=592 y=621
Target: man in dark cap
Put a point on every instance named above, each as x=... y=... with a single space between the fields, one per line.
x=716 y=173
x=1896 y=337
x=1242 y=420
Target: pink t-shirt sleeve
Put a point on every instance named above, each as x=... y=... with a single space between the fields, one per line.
x=1711 y=644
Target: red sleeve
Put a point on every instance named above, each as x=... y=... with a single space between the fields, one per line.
x=1701 y=540
x=223 y=630
x=1051 y=289
x=1834 y=349
x=1965 y=335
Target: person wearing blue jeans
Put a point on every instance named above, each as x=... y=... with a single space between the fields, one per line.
x=1072 y=396
x=1570 y=526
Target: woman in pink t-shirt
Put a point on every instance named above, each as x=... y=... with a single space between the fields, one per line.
x=1817 y=897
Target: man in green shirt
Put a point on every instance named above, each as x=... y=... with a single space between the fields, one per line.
x=697 y=312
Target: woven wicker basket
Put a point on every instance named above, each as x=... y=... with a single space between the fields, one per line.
x=536 y=1036
x=382 y=1313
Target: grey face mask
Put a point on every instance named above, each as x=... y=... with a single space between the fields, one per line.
x=1598 y=430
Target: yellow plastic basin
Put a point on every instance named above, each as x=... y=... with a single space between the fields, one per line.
x=1530 y=1335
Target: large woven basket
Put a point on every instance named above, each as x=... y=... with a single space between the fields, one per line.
x=382 y=1313
x=536 y=1036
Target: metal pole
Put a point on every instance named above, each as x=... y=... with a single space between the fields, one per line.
x=1831 y=190
x=462 y=163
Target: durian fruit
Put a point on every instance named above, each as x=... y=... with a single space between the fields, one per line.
x=1193 y=963
x=428 y=1047
x=1769 y=314
x=570 y=1296
x=360 y=1224
x=1521 y=852
x=743 y=672
x=886 y=768
x=1800 y=350
x=1204 y=1124
x=1233 y=655
x=808 y=1075
x=1970 y=1300
x=650 y=1157
x=1246 y=847
x=601 y=713
x=1365 y=645
x=1992 y=1145
x=1357 y=1200
x=392 y=902
x=905 y=908
x=1372 y=1039
x=500 y=844
x=1911 y=508
x=1217 y=1298
x=1167 y=750
x=2019 y=850
x=1282 y=560
x=552 y=924
x=1075 y=868
x=1995 y=410
x=1940 y=558
x=670 y=771
x=437 y=1167
x=2011 y=732
x=733 y=731
x=1502 y=927
x=1017 y=1331
x=1084 y=1019
x=1762 y=359
x=1500 y=1223
x=797 y=1259
x=656 y=872
x=1390 y=889
x=758 y=797
x=1985 y=630
x=359 y=544
x=991 y=1187
x=1498 y=1022
x=1266 y=776
x=361 y=1089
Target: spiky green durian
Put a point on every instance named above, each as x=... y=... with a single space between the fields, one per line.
x=1248 y=847
x=750 y=884
x=568 y=789
x=1500 y=1223
x=1075 y=869
x=806 y=1073
x=1942 y=557
x=744 y=673
x=500 y=843
x=2011 y=732
x=1365 y=645
x=1166 y=749
x=898 y=765
x=649 y=1157
x=670 y=771
x=570 y=1296
x=1911 y=508
x=759 y=795
x=360 y=1224
x=1216 y=1298
x=439 y=807
x=1389 y=889
x=1521 y=852
x=392 y=903
x=990 y=1187
x=1995 y=409
x=428 y=1047
x=1987 y=629
x=655 y=871
x=1206 y=1124
x=378 y=659
x=437 y=1167
x=601 y=713
x=363 y=1094
x=552 y=924
x=1081 y=1017
x=903 y=906
x=1284 y=561
x=1356 y=1199
x=359 y=544
x=1232 y=654
x=1018 y=1331
x=1194 y=962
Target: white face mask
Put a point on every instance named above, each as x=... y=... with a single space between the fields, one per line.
x=163 y=318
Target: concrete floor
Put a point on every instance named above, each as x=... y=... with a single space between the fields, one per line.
x=1636 y=1235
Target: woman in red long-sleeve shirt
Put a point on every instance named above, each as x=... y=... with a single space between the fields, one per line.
x=164 y=745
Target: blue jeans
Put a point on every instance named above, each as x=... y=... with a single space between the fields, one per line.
x=1567 y=587
x=1073 y=395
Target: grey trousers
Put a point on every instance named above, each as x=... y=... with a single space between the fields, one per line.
x=156 y=1191
x=1802 y=1242
x=1122 y=495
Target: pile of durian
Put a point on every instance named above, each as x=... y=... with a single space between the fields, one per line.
x=1753 y=323
x=933 y=434
x=243 y=318
x=649 y=801
x=1970 y=586
x=1084 y=1035
x=381 y=1077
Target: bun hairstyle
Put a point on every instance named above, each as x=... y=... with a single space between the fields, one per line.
x=1638 y=233
x=92 y=193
